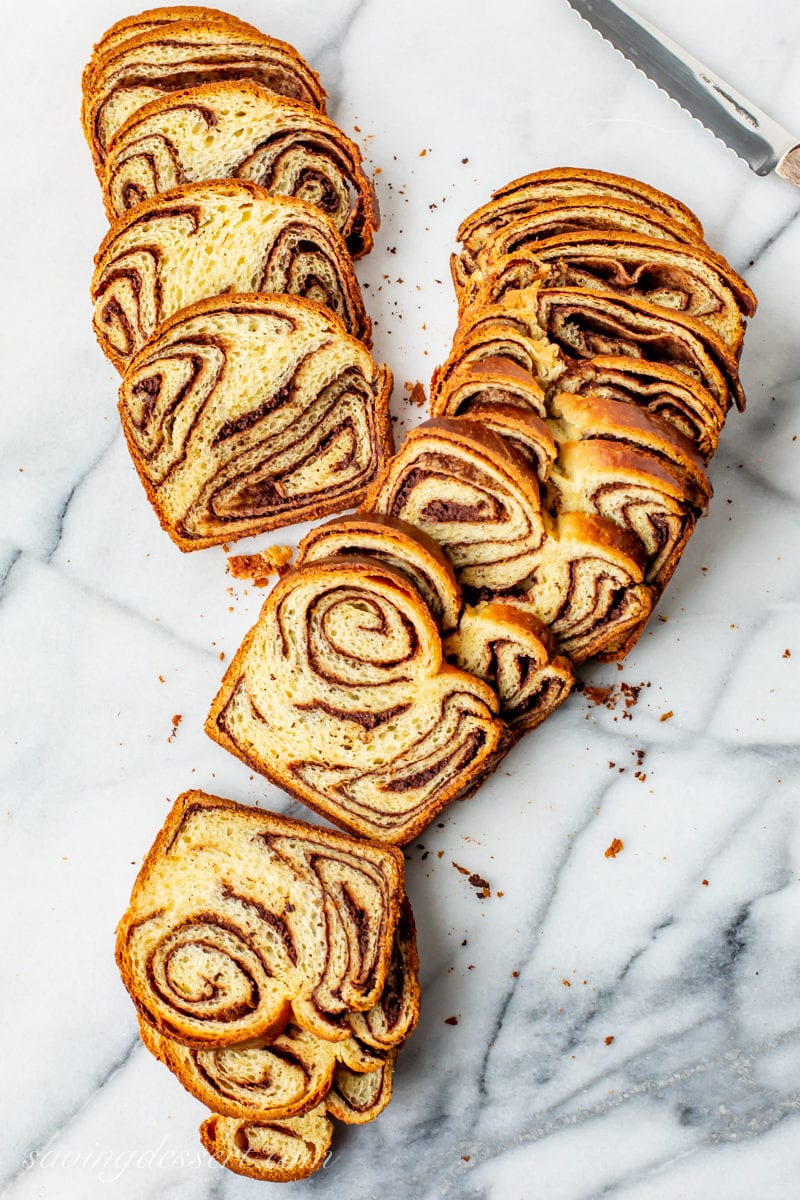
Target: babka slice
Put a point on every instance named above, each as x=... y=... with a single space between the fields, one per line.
x=652 y=498
x=587 y=586
x=152 y=20
x=240 y=920
x=183 y=54
x=210 y=239
x=469 y=379
x=514 y=652
x=248 y=412
x=521 y=429
x=560 y=217
x=360 y=1096
x=584 y=323
x=398 y=544
x=287 y=1075
x=294 y=1148
x=277 y=1152
x=567 y=184
x=687 y=278
x=239 y=129
x=339 y=695
x=465 y=487
x=672 y=395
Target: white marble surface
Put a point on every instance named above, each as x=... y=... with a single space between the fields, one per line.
x=108 y=631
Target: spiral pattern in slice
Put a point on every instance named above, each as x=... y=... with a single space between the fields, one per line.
x=339 y=695
x=463 y=485
x=671 y=395
x=401 y=546
x=585 y=323
x=358 y=1096
x=248 y=412
x=183 y=54
x=567 y=184
x=512 y=651
x=587 y=587
x=472 y=379
x=240 y=130
x=209 y=239
x=278 y=1151
x=240 y=920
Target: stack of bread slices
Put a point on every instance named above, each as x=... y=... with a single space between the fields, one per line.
x=224 y=291
x=274 y=969
x=530 y=525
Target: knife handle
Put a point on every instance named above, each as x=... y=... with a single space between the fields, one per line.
x=789 y=166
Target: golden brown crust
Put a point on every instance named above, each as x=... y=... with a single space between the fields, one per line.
x=459 y=385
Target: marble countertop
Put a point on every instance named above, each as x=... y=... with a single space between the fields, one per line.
x=628 y=1027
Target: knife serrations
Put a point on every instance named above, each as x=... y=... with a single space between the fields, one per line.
x=748 y=131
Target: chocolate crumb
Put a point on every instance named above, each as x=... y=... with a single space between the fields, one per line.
x=451 y=1020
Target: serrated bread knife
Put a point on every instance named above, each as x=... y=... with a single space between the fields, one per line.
x=749 y=132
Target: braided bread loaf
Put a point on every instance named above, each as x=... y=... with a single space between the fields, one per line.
x=251 y=411
x=180 y=54
x=206 y=239
x=239 y=129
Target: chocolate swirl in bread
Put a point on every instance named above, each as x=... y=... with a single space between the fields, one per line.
x=183 y=54
x=514 y=652
x=669 y=394
x=210 y=239
x=528 y=435
x=267 y=1080
x=584 y=323
x=240 y=130
x=287 y=1075
x=339 y=695
x=587 y=586
x=360 y=1096
x=248 y=412
x=653 y=499
x=471 y=378
x=150 y=21
x=277 y=1152
x=567 y=185
x=240 y=919
x=398 y=544
x=466 y=488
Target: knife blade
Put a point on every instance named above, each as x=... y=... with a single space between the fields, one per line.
x=763 y=144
